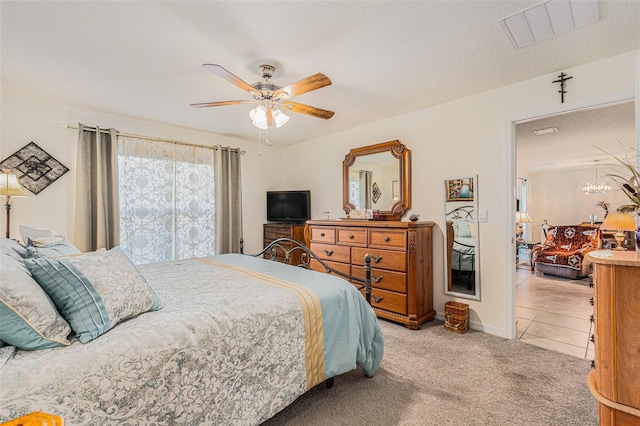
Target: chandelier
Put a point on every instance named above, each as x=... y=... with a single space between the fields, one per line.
x=597 y=187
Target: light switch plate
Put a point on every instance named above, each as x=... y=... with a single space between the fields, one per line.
x=482 y=215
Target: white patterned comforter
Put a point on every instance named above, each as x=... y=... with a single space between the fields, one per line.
x=227 y=348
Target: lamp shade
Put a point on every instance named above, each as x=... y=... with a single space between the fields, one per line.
x=617 y=221
x=10 y=185
x=523 y=217
x=280 y=118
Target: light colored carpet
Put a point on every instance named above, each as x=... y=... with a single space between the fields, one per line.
x=435 y=377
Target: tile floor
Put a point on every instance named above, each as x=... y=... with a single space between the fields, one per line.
x=554 y=313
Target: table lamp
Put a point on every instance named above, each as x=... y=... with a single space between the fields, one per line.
x=10 y=187
x=619 y=222
x=521 y=217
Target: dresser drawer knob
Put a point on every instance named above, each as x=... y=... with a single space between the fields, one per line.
x=328 y=252
x=593 y=338
x=351 y=237
x=591 y=301
x=376 y=259
x=386 y=239
x=593 y=363
x=376 y=279
x=377 y=299
x=322 y=234
x=591 y=318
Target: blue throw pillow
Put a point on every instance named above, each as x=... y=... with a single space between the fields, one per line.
x=94 y=291
x=49 y=247
x=464 y=231
x=12 y=248
x=28 y=318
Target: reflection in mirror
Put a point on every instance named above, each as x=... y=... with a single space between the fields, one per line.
x=377 y=178
x=461 y=238
x=371 y=180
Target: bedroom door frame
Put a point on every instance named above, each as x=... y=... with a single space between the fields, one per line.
x=593 y=103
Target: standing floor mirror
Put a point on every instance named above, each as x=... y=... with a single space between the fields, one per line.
x=462 y=263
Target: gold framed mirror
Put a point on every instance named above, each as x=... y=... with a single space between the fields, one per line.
x=377 y=177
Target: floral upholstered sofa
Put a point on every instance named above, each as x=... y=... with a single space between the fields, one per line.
x=563 y=252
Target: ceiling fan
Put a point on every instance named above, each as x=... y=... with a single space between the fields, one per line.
x=271 y=97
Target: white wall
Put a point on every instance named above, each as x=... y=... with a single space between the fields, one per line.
x=27 y=117
x=463 y=137
x=558 y=198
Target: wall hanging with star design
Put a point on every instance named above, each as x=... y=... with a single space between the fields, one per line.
x=35 y=167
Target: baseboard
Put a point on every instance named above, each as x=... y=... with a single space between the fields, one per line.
x=478 y=326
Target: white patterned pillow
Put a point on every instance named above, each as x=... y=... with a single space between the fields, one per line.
x=28 y=318
x=94 y=291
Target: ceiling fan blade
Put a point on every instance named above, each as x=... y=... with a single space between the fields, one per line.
x=221 y=103
x=309 y=110
x=218 y=70
x=305 y=85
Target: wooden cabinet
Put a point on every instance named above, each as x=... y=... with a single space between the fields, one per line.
x=273 y=231
x=402 y=263
x=615 y=379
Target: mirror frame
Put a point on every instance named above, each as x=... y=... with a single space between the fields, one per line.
x=397 y=150
x=448 y=234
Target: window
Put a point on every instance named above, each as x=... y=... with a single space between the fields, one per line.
x=167 y=200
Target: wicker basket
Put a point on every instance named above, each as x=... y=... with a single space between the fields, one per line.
x=456 y=317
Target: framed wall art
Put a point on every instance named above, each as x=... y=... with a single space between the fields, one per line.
x=35 y=168
x=459 y=189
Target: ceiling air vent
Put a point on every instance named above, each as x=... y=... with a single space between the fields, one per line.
x=548 y=19
x=546 y=130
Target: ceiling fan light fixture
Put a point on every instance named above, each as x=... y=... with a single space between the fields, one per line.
x=258 y=117
x=280 y=118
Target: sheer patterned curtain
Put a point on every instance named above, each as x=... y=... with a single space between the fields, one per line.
x=167 y=200
x=96 y=222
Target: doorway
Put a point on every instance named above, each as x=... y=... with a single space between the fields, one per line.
x=535 y=118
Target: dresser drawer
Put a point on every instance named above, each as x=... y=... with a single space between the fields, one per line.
x=323 y=235
x=332 y=252
x=345 y=268
x=387 y=239
x=394 y=302
x=270 y=234
x=352 y=237
x=386 y=259
x=387 y=280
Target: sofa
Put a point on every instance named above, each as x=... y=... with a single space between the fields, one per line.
x=563 y=252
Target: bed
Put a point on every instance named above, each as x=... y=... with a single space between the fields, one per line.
x=461 y=245
x=238 y=339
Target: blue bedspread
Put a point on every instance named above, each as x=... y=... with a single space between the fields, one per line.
x=227 y=348
x=352 y=335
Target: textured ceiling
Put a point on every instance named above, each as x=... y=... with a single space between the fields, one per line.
x=583 y=138
x=144 y=58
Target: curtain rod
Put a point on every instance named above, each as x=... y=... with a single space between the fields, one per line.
x=150 y=138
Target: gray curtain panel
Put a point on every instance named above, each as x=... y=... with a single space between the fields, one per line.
x=228 y=200
x=97 y=219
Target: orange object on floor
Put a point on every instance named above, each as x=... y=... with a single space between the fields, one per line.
x=37 y=418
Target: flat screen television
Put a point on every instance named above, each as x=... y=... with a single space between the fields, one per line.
x=288 y=206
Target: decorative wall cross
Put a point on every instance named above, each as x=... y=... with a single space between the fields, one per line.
x=562 y=78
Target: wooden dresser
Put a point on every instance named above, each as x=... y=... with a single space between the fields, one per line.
x=273 y=231
x=402 y=264
x=615 y=378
